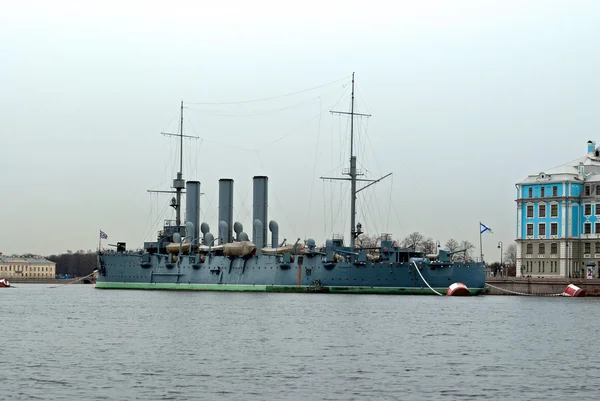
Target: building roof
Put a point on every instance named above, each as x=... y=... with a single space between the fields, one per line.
x=589 y=164
x=30 y=260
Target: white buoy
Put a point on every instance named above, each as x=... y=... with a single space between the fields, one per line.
x=458 y=290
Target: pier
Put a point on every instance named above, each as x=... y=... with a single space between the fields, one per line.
x=541 y=286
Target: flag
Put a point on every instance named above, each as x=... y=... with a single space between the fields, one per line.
x=103 y=235
x=483 y=228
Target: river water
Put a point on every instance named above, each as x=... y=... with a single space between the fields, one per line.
x=79 y=343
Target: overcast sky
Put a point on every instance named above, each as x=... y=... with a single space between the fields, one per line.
x=467 y=98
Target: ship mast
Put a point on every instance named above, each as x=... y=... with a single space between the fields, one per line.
x=179 y=182
x=353 y=172
x=353 y=231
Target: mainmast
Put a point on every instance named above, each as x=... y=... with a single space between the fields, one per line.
x=353 y=172
x=179 y=182
x=355 y=231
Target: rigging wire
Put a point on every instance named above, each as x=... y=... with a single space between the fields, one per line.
x=293 y=131
x=246 y=209
x=272 y=188
x=312 y=187
x=153 y=225
x=252 y=113
x=272 y=97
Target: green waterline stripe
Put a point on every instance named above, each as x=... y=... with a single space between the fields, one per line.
x=272 y=288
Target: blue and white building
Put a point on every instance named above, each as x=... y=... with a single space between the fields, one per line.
x=558 y=219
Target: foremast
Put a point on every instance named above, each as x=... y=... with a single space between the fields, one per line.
x=179 y=182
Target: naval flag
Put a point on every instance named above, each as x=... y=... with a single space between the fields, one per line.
x=483 y=228
x=103 y=235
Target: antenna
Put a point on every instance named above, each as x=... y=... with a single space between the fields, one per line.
x=355 y=229
x=179 y=182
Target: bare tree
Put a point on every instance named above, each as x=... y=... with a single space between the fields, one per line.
x=412 y=241
x=510 y=255
x=366 y=241
x=428 y=245
x=452 y=245
x=468 y=247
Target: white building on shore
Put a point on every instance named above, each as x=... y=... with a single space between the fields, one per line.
x=26 y=267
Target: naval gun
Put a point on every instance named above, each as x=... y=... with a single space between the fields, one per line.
x=446 y=256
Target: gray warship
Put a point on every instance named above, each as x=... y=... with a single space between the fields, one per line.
x=188 y=256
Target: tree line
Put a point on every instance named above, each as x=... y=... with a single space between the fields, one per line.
x=75 y=264
x=417 y=242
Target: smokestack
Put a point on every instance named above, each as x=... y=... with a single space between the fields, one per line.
x=225 y=209
x=259 y=208
x=192 y=205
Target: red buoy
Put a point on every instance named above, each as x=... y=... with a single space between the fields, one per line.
x=458 y=290
x=573 y=291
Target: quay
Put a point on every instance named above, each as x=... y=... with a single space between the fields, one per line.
x=541 y=285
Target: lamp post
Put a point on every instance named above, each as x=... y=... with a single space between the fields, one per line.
x=500 y=247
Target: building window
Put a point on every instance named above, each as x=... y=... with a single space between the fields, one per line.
x=542 y=192
x=554 y=210
x=597 y=189
x=542 y=229
x=587 y=190
x=529 y=228
x=542 y=249
x=587 y=209
x=543 y=266
x=530 y=192
x=597 y=228
x=587 y=228
x=529 y=249
x=555 y=191
x=553 y=248
x=529 y=211
x=587 y=247
x=542 y=210
x=553 y=228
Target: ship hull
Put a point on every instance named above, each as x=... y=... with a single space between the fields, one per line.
x=268 y=274
x=275 y=288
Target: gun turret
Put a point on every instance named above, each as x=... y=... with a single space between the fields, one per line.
x=459 y=251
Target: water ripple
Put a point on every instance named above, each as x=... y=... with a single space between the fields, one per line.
x=76 y=342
